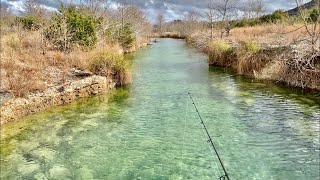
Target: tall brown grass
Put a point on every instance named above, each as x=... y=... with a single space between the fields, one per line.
x=265 y=52
x=250 y=58
x=109 y=63
x=220 y=53
x=26 y=60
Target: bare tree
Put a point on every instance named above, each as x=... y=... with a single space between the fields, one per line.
x=307 y=52
x=211 y=17
x=160 y=21
x=191 y=23
x=311 y=24
x=254 y=8
x=6 y=20
x=34 y=9
x=93 y=5
x=225 y=9
x=126 y=13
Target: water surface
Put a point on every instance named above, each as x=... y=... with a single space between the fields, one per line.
x=150 y=130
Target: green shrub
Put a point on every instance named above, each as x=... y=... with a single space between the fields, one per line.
x=278 y=15
x=221 y=46
x=126 y=38
x=111 y=33
x=70 y=26
x=28 y=22
x=123 y=35
x=314 y=16
x=237 y=23
x=253 y=22
x=244 y=22
x=250 y=47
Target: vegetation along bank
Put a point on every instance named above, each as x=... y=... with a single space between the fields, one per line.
x=52 y=58
x=282 y=46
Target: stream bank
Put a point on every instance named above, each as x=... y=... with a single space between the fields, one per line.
x=57 y=95
x=259 y=54
x=150 y=129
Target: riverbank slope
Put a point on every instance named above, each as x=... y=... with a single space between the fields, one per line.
x=32 y=80
x=265 y=52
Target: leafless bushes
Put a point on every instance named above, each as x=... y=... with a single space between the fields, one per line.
x=302 y=69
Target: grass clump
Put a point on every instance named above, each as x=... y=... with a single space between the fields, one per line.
x=251 y=47
x=220 y=53
x=111 y=64
x=250 y=58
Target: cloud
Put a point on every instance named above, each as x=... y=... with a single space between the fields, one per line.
x=172 y=9
x=4 y=4
x=16 y=6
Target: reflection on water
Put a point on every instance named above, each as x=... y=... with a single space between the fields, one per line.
x=150 y=130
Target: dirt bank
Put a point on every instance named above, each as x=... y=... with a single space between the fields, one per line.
x=264 y=53
x=57 y=95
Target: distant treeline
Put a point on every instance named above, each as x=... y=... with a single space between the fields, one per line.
x=276 y=16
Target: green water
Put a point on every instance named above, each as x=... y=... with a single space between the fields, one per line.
x=151 y=131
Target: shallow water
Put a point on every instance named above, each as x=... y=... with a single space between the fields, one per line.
x=151 y=131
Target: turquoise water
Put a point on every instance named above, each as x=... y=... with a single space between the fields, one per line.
x=150 y=129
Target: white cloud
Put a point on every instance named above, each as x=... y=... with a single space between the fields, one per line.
x=173 y=9
x=16 y=6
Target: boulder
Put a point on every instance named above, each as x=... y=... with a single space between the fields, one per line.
x=5 y=96
x=81 y=73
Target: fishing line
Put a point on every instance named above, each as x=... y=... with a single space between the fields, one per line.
x=212 y=153
x=184 y=132
x=185 y=126
x=225 y=176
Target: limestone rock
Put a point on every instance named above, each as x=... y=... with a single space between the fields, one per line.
x=56 y=95
x=81 y=73
x=5 y=96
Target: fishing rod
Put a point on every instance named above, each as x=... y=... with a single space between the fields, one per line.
x=225 y=176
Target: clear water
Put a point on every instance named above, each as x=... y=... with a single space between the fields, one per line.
x=151 y=131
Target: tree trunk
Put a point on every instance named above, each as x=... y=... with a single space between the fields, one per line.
x=211 y=31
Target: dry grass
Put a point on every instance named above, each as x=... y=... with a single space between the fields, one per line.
x=266 y=52
x=281 y=34
x=250 y=58
x=21 y=62
x=220 y=53
x=106 y=62
x=29 y=66
x=174 y=35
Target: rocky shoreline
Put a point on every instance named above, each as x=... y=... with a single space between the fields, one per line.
x=57 y=95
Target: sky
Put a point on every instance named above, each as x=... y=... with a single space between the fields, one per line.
x=172 y=9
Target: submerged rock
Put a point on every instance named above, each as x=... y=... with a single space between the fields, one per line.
x=59 y=172
x=28 y=168
x=40 y=176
